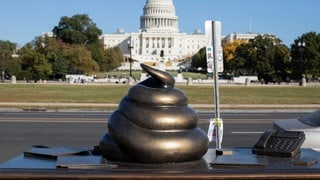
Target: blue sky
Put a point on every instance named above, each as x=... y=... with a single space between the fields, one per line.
x=23 y=20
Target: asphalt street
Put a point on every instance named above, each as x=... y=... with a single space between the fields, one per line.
x=19 y=131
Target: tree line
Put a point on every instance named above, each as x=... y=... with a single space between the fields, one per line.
x=74 y=48
x=266 y=57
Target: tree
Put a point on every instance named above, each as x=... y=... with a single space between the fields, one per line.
x=34 y=64
x=305 y=54
x=107 y=59
x=263 y=56
x=60 y=66
x=80 y=60
x=229 y=52
x=119 y=58
x=281 y=62
x=51 y=48
x=14 y=67
x=199 y=60
x=75 y=48
x=113 y=59
x=79 y=29
x=264 y=52
x=244 y=62
x=7 y=50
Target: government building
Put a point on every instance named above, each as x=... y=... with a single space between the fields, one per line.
x=158 y=41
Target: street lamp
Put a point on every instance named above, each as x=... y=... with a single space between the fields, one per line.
x=130 y=59
x=2 y=72
x=301 y=45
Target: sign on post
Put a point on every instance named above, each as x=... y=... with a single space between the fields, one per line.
x=210 y=54
x=213 y=34
x=219 y=59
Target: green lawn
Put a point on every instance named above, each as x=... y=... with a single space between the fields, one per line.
x=256 y=94
x=64 y=93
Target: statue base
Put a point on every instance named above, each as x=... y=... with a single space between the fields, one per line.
x=82 y=163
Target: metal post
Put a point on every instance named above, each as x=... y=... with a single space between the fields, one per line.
x=301 y=46
x=2 y=71
x=130 y=60
x=216 y=90
x=215 y=65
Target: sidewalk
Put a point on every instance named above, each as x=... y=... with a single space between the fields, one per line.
x=27 y=106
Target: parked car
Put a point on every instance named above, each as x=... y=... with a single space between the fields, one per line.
x=309 y=124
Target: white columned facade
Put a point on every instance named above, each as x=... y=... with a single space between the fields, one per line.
x=159 y=31
x=159 y=15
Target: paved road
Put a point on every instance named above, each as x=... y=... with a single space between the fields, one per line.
x=19 y=131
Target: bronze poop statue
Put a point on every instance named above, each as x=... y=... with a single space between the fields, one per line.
x=154 y=124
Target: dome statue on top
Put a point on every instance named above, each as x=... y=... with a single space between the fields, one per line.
x=154 y=124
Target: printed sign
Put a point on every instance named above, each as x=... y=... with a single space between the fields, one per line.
x=209 y=59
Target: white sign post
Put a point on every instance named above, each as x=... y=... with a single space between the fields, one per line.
x=215 y=65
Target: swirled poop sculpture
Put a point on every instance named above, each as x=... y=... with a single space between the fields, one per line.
x=154 y=124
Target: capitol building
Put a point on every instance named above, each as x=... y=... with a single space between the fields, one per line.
x=158 y=41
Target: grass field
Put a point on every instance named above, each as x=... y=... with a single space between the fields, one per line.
x=64 y=93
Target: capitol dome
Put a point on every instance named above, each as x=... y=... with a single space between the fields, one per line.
x=159 y=41
x=159 y=16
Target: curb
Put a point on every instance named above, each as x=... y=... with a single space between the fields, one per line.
x=27 y=106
